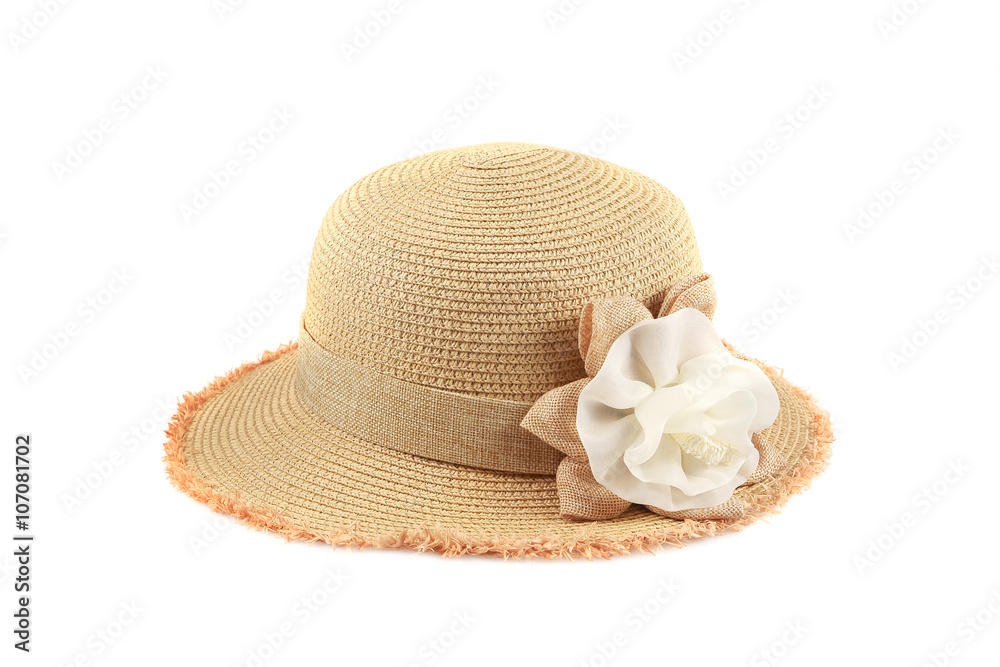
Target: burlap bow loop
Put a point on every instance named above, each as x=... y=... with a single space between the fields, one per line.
x=553 y=417
x=697 y=291
x=602 y=322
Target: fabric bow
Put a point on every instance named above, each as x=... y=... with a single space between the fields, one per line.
x=553 y=417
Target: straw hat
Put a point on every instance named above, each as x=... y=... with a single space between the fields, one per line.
x=506 y=349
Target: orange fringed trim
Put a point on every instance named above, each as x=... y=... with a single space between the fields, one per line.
x=448 y=542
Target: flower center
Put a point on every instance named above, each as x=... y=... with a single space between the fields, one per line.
x=707 y=449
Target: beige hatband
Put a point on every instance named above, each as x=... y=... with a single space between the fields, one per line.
x=474 y=431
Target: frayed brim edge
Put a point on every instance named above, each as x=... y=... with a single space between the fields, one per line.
x=448 y=542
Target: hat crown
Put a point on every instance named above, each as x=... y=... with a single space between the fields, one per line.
x=466 y=269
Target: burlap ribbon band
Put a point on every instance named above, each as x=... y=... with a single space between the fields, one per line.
x=474 y=431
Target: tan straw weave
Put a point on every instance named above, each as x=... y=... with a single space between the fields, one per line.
x=444 y=298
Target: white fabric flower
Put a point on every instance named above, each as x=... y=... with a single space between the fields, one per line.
x=668 y=418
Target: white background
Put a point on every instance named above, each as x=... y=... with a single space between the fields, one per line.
x=883 y=561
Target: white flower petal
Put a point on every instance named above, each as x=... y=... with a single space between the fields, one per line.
x=666 y=377
x=652 y=414
x=616 y=434
x=666 y=463
x=731 y=417
x=663 y=344
x=617 y=391
x=689 y=419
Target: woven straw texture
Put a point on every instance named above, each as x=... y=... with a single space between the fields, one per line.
x=466 y=271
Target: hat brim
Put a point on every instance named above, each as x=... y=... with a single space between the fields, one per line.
x=247 y=446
